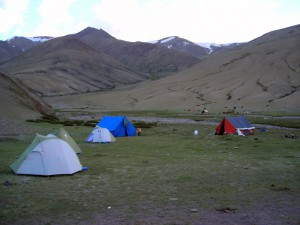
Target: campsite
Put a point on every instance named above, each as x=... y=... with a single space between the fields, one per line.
x=166 y=176
x=100 y=130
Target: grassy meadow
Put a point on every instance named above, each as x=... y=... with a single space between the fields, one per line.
x=166 y=176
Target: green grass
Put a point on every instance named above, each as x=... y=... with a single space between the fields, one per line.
x=159 y=177
x=290 y=123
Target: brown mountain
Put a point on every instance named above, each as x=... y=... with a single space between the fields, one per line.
x=147 y=58
x=66 y=65
x=91 y=60
x=260 y=75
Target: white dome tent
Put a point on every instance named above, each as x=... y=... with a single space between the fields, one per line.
x=47 y=156
x=100 y=135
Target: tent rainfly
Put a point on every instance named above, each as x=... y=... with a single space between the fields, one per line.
x=235 y=125
x=63 y=134
x=47 y=156
x=119 y=126
x=100 y=135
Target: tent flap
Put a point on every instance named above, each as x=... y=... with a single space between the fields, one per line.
x=63 y=134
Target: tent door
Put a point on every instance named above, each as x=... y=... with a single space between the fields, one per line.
x=222 y=129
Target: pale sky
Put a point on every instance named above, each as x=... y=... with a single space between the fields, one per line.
x=218 y=21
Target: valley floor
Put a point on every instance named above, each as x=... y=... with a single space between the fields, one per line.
x=166 y=176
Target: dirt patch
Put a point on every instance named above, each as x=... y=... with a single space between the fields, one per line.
x=293 y=136
x=11 y=129
x=226 y=210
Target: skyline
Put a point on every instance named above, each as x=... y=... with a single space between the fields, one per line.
x=214 y=21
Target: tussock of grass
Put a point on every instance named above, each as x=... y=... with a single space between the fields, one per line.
x=54 y=120
x=142 y=124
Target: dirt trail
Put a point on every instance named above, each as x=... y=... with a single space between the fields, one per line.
x=190 y=121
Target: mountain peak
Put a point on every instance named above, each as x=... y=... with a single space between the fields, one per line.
x=93 y=31
x=89 y=30
x=183 y=45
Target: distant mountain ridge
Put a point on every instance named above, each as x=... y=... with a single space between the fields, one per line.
x=199 y=50
x=91 y=60
x=183 y=45
x=66 y=65
x=140 y=56
x=18 y=45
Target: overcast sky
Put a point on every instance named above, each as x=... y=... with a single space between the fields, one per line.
x=218 y=21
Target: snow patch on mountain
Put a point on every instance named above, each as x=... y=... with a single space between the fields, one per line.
x=205 y=45
x=152 y=42
x=33 y=39
x=167 y=39
x=39 y=39
x=208 y=45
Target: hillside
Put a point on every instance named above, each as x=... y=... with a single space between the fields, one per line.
x=66 y=66
x=260 y=75
x=8 y=51
x=17 y=105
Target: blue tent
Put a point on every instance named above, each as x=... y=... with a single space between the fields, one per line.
x=119 y=126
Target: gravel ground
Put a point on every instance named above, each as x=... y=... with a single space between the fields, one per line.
x=11 y=128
